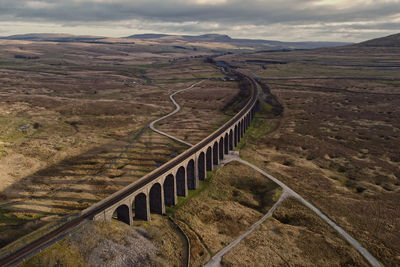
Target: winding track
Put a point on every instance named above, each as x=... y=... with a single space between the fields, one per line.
x=177 y=108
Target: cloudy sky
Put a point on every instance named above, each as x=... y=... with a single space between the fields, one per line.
x=285 y=20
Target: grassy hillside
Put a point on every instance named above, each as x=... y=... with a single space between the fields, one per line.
x=388 y=41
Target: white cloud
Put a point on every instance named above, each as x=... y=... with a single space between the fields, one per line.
x=210 y=2
x=38 y=4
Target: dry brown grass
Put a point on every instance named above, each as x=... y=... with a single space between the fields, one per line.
x=197 y=117
x=337 y=142
x=80 y=106
x=294 y=236
x=74 y=184
x=235 y=198
x=155 y=243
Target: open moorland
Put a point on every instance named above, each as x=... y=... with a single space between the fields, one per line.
x=74 y=119
x=294 y=236
x=73 y=122
x=337 y=140
x=225 y=206
x=196 y=120
x=158 y=243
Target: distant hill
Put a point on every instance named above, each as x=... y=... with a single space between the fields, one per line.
x=227 y=42
x=53 y=37
x=388 y=41
x=147 y=36
x=188 y=38
x=257 y=44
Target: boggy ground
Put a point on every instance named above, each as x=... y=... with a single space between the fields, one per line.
x=196 y=120
x=155 y=243
x=294 y=236
x=226 y=205
x=67 y=114
x=232 y=199
x=337 y=140
x=74 y=184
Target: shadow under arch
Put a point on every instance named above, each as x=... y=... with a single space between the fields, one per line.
x=155 y=199
x=169 y=190
x=215 y=153
x=122 y=214
x=190 y=175
x=140 y=207
x=181 y=182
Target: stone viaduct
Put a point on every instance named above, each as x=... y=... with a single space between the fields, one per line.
x=162 y=186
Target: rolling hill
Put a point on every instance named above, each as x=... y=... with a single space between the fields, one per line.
x=257 y=44
x=223 y=41
x=388 y=41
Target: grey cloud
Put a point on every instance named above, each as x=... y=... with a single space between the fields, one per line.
x=231 y=13
x=178 y=10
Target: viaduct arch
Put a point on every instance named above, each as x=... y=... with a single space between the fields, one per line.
x=215 y=153
x=122 y=214
x=141 y=207
x=201 y=166
x=221 y=148
x=156 y=199
x=169 y=190
x=226 y=143
x=181 y=185
x=190 y=175
x=209 y=159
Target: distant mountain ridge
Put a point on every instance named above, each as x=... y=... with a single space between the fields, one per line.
x=205 y=37
x=52 y=37
x=222 y=38
x=387 y=41
x=147 y=36
x=165 y=39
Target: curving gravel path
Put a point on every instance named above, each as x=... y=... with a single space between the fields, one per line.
x=216 y=260
x=289 y=192
x=177 y=108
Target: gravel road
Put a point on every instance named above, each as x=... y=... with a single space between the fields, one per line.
x=177 y=108
x=289 y=192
